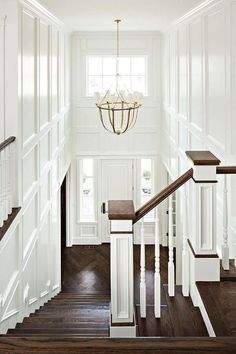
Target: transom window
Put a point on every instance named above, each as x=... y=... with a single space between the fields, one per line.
x=101 y=71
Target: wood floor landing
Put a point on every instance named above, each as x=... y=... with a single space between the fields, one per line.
x=178 y=318
x=219 y=299
x=230 y=274
x=86 y=270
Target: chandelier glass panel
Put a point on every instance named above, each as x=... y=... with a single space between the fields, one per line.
x=118 y=108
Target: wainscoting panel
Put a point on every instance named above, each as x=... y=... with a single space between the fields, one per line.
x=30 y=250
x=203 y=44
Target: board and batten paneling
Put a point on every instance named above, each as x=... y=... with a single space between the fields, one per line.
x=30 y=251
x=199 y=54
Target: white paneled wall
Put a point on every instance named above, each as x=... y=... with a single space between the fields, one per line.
x=30 y=251
x=90 y=138
x=199 y=85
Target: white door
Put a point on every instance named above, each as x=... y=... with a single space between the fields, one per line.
x=117 y=184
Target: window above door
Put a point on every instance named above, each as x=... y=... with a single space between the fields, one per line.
x=101 y=71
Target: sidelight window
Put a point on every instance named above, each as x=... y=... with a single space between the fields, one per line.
x=87 y=210
x=147 y=185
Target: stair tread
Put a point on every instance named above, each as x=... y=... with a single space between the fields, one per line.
x=44 y=325
x=58 y=330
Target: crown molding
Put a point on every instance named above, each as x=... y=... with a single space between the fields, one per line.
x=196 y=10
x=42 y=11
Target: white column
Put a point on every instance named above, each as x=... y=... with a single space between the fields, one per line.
x=142 y=275
x=157 y=276
x=171 y=267
x=225 y=246
x=122 y=283
x=185 y=252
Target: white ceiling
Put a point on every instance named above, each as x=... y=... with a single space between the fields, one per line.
x=98 y=15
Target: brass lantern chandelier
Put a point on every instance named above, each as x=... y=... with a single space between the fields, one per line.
x=118 y=108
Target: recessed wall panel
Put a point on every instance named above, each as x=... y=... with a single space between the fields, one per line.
x=44 y=254
x=44 y=74
x=196 y=72
x=9 y=255
x=54 y=68
x=233 y=78
x=29 y=224
x=215 y=79
x=182 y=89
x=29 y=126
x=29 y=167
x=44 y=151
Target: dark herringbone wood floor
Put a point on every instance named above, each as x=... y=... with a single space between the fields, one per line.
x=86 y=270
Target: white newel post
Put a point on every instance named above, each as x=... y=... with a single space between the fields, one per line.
x=142 y=275
x=225 y=246
x=171 y=267
x=121 y=215
x=203 y=258
x=157 y=276
x=185 y=252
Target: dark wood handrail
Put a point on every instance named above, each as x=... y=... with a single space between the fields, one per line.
x=7 y=142
x=152 y=203
x=225 y=170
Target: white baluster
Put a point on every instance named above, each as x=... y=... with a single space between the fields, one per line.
x=157 y=276
x=142 y=275
x=9 y=178
x=1 y=189
x=5 y=211
x=185 y=253
x=225 y=246
x=171 y=267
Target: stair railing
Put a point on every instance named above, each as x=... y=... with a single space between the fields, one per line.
x=199 y=245
x=139 y=214
x=6 y=174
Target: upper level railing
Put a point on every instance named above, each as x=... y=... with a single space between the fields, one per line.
x=6 y=178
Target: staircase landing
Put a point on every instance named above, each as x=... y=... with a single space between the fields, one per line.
x=179 y=318
x=219 y=299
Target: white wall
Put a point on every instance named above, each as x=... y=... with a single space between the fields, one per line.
x=199 y=85
x=30 y=251
x=89 y=137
